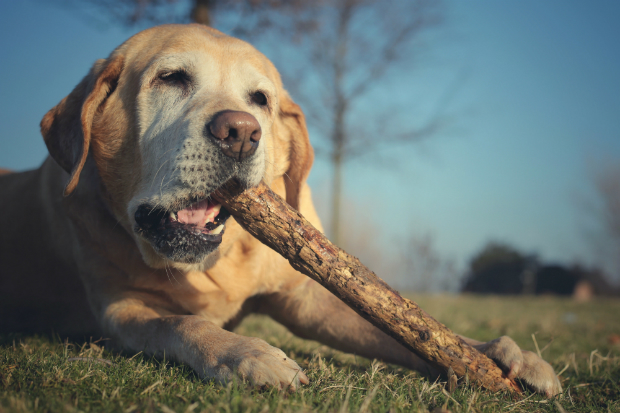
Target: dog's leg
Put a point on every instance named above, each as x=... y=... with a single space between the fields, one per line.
x=310 y=311
x=211 y=351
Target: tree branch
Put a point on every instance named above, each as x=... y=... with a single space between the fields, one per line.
x=271 y=220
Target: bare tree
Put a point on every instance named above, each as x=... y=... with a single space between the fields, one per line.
x=143 y=12
x=607 y=184
x=343 y=50
x=251 y=17
x=331 y=53
x=422 y=268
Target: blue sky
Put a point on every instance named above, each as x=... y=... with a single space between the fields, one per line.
x=538 y=108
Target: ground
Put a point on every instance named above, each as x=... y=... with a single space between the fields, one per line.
x=580 y=340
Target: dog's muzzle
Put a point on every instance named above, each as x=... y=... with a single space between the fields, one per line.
x=187 y=230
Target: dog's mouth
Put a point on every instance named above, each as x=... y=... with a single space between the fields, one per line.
x=185 y=235
x=205 y=217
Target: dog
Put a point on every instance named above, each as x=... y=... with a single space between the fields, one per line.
x=117 y=228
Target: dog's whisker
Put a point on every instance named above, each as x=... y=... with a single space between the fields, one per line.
x=161 y=186
x=166 y=271
x=118 y=221
x=159 y=169
x=167 y=268
x=165 y=153
x=170 y=180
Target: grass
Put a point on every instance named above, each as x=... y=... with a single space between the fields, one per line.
x=39 y=374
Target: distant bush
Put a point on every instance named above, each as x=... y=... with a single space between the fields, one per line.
x=502 y=269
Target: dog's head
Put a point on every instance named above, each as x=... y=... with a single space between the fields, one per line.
x=169 y=117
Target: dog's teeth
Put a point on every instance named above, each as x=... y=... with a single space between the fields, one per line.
x=173 y=216
x=217 y=230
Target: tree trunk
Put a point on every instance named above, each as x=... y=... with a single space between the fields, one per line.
x=339 y=134
x=201 y=12
x=272 y=221
x=336 y=224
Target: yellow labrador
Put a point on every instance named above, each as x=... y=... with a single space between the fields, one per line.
x=123 y=205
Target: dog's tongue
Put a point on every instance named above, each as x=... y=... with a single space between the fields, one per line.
x=197 y=214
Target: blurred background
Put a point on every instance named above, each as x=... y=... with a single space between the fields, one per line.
x=461 y=146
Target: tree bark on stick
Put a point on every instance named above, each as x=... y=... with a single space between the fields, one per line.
x=276 y=224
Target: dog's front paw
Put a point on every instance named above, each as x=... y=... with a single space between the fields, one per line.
x=523 y=365
x=254 y=360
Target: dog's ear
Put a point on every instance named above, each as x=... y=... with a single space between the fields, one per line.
x=66 y=127
x=301 y=154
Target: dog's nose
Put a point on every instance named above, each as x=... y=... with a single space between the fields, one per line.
x=236 y=132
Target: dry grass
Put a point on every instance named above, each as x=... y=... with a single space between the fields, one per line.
x=38 y=374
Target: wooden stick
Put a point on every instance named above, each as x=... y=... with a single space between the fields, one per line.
x=276 y=224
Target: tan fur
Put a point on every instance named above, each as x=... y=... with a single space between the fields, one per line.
x=109 y=140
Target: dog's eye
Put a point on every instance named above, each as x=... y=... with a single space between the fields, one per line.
x=175 y=78
x=259 y=98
